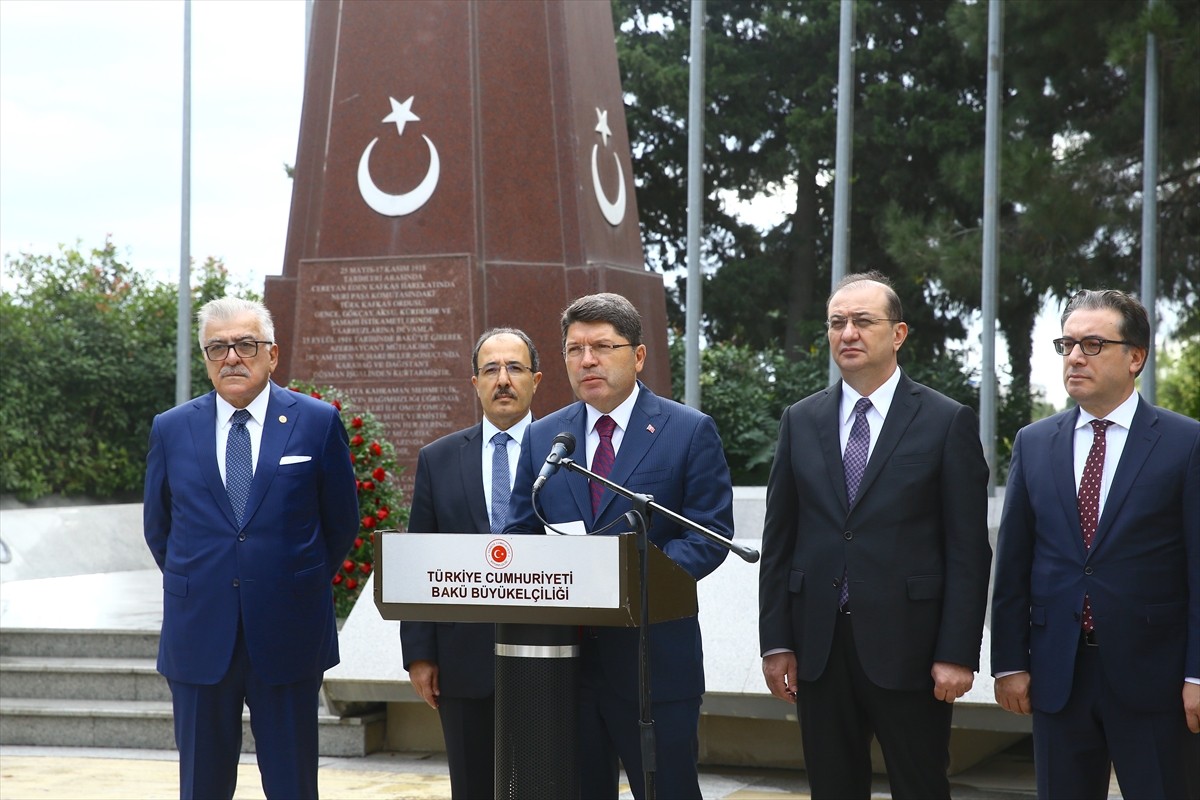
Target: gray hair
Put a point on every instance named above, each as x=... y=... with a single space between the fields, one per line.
x=224 y=309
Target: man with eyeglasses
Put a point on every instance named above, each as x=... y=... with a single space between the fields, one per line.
x=250 y=507
x=875 y=559
x=653 y=446
x=462 y=485
x=1096 y=603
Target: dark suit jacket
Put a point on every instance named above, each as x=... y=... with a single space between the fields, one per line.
x=915 y=542
x=1142 y=571
x=448 y=498
x=274 y=571
x=674 y=453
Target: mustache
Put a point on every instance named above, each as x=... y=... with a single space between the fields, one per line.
x=504 y=393
x=237 y=369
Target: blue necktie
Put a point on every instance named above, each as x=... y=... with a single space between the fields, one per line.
x=239 y=470
x=501 y=488
x=854 y=462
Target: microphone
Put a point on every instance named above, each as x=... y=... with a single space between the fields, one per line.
x=564 y=445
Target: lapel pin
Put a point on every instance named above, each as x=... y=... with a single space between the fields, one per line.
x=650 y=428
x=282 y=418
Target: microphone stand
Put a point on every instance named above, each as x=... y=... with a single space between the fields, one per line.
x=643 y=505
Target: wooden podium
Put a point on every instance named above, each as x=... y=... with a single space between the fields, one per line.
x=538 y=589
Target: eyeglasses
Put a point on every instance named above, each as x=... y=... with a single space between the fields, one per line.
x=837 y=324
x=246 y=348
x=1090 y=345
x=515 y=369
x=574 y=352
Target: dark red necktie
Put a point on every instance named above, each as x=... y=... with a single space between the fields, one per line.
x=1089 y=500
x=602 y=460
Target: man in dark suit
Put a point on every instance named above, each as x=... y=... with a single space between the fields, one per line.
x=874 y=575
x=1096 y=604
x=657 y=447
x=462 y=485
x=250 y=507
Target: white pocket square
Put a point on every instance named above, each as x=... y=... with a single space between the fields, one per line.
x=294 y=460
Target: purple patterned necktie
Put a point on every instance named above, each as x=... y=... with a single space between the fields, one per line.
x=1089 y=499
x=854 y=462
x=602 y=460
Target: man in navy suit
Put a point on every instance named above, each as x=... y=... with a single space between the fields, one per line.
x=660 y=448
x=1096 y=602
x=451 y=665
x=873 y=584
x=250 y=507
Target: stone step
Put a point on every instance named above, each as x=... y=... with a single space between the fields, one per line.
x=82 y=678
x=147 y=724
x=59 y=643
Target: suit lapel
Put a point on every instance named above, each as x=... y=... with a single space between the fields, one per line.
x=575 y=421
x=636 y=441
x=283 y=415
x=470 y=470
x=1062 y=467
x=1138 y=444
x=202 y=422
x=828 y=414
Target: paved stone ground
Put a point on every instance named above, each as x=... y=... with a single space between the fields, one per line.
x=41 y=773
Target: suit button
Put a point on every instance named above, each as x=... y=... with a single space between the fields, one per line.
x=848 y=535
x=1087 y=570
x=836 y=583
x=236 y=583
x=241 y=537
x=1075 y=616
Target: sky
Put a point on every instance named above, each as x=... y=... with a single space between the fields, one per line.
x=91 y=121
x=91 y=126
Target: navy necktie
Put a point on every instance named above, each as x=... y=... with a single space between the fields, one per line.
x=239 y=469
x=603 y=458
x=501 y=488
x=854 y=462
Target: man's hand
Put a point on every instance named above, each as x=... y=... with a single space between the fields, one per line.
x=780 y=671
x=1191 y=706
x=950 y=681
x=424 y=678
x=1012 y=693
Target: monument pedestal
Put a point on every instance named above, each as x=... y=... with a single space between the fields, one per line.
x=462 y=164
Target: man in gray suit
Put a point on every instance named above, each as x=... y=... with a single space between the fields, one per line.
x=875 y=559
x=462 y=485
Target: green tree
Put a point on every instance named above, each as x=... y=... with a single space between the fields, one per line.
x=1179 y=379
x=1071 y=173
x=88 y=360
x=746 y=392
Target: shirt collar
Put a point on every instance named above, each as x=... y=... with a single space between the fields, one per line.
x=517 y=431
x=257 y=407
x=1121 y=415
x=881 y=398
x=620 y=414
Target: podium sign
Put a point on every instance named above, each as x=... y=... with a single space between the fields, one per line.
x=555 y=580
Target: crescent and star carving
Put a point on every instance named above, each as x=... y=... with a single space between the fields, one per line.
x=398 y=205
x=613 y=211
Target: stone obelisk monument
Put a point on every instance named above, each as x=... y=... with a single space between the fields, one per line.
x=462 y=164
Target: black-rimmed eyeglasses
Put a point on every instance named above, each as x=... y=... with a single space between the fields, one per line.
x=1090 y=345
x=246 y=348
